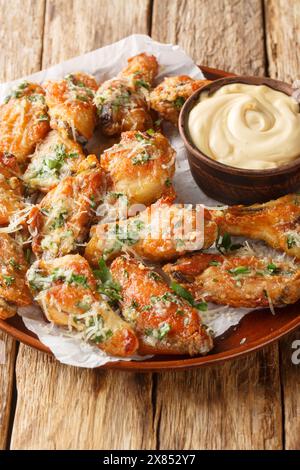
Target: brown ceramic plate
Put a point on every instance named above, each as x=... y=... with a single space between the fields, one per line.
x=256 y=329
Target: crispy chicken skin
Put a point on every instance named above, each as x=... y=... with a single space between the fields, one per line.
x=238 y=280
x=169 y=96
x=71 y=108
x=160 y=233
x=141 y=71
x=122 y=101
x=141 y=166
x=275 y=222
x=11 y=187
x=54 y=158
x=61 y=220
x=23 y=120
x=164 y=322
x=66 y=290
x=13 y=289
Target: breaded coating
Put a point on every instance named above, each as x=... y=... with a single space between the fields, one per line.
x=164 y=322
x=71 y=107
x=275 y=222
x=13 y=289
x=11 y=187
x=162 y=232
x=238 y=280
x=122 y=101
x=66 y=290
x=23 y=120
x=55 y=158
x=141 y=166
x=61 y=221
x=170 y=95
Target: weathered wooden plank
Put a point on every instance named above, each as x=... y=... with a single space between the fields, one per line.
x=20 y=36
x=226 y=34
x=238 y=405
x=73 y=27
x=83 y=409
x=234 y=406
x=80 y=409
x=283 y=47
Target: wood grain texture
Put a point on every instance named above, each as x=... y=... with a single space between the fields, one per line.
x=226 y=34
x=73 y=27
x=234 y=406
x=7 y=363
x=283 y=47
x=283 y=38
x=62 y=407
x=20 y=36
x=21 y=39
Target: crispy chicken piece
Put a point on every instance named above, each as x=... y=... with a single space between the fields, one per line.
x=238 y=280
x=66 y=290
x=23 y=120
x=71 y=107
x=11 y=188
x=275 y=222
x=162 y=232
x=13 y=289
x=170 y=95
x=54 y=158
x=122 y=101
x=141 y=166
x=60 y=222
x=164 y=322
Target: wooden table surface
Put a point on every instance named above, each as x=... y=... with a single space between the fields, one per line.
x=251 y=403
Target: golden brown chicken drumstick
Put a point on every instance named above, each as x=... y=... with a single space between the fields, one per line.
x=140 y=166
x=275 y=222
x=23 y=120
x=164 y=322
x=61 y=221
x=170 y=95
x=13 y=289
x=238 y=280
x=162 y=232
x=54 y=158
x=121 y=102
x=66 y=290
x=71 y=107
x=11 y=188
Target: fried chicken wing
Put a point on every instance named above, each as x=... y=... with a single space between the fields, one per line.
x=169 y=96
x=141 y=166
x=141 y=71
x=164 y=322
x=275 y=222
x=54 y=158
x=238 y=280
x=11 y=187
x=66 y=290
x=23 y=120
x=13 y=289
x=71 y=107
x=61 y=221
x=122 y=101
x=162 y=232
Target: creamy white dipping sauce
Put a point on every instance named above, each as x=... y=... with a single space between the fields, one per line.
x=247 y=126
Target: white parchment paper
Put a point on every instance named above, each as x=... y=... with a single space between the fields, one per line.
x=105 y=63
